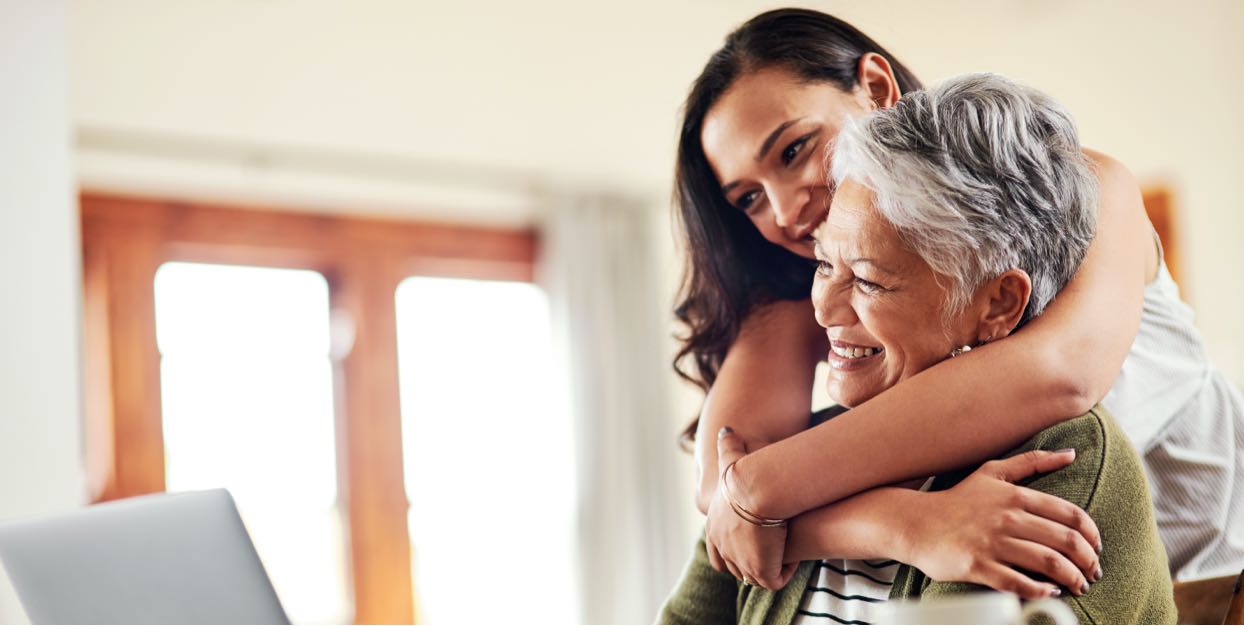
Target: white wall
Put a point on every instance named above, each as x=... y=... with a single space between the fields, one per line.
x=402 y=105
x=40 y=424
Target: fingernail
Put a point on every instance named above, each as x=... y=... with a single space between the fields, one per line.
x=1065 y=450
x=1097 y=574
x=1055 y=592
x=1099 y=546
x=1084 y=589
x=725 y=430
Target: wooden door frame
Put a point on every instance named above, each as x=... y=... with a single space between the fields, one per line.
x=125 y=240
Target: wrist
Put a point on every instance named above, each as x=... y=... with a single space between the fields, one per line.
x=907 y=521
x=745 y=489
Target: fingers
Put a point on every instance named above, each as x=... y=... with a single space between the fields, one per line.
x=730 y=447
x=1030 y=463
x=769 y=580
x=720 y=563
x=730 y=567
x=1040 y=559
x=778 y=578
x=1062 y=512
x=1005 y=578
x=1065 y=539
x=788 y=572
x=714 y=557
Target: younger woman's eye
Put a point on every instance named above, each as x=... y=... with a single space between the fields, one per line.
x=795 y=148
x=792 y=151
x=746 y=200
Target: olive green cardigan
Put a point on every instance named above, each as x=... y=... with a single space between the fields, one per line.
x=1106 y=480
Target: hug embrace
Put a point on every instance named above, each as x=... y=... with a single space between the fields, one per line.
x=1023 y=403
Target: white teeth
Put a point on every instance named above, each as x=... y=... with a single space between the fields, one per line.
x=854 y=353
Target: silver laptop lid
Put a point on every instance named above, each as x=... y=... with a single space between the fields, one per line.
x=160 y=559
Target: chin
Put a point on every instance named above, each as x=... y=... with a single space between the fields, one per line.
x=850 y=398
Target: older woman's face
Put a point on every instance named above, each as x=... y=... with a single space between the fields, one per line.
x=765 y=139
x=880 y=303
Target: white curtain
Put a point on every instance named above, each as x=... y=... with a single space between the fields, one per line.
x=601 y=269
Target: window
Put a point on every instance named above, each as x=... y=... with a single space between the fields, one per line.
x=477 y=388
x=246 y=387
x=212 y=360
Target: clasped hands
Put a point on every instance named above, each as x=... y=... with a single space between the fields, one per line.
x=985 y=530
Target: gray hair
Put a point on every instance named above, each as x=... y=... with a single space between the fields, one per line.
x=979 y=175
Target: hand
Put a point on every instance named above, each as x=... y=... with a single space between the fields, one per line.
x=749 y=552
x=984 y=528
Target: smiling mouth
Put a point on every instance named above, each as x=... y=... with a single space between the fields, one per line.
x=847 y=356
x=854 y=352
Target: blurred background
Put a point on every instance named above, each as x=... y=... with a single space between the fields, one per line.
x=400 y=274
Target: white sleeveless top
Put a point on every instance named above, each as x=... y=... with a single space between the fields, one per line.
x=1187 y=423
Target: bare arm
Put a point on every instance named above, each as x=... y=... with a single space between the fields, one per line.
x=764 y=388
x=932 y=422
x=980 y=530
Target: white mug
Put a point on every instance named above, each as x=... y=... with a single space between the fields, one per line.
x=988 y=607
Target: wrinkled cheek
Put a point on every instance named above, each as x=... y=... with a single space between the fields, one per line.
x=894 y=373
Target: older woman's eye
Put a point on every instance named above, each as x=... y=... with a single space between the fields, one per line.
x=868 y=286
x=824 y=268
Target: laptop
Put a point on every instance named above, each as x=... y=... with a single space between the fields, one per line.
x=161 y=559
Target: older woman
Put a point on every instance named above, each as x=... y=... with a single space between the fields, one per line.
x=959 y=214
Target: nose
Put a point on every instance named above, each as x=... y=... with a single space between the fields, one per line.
x=831 y=303
x=792 y=209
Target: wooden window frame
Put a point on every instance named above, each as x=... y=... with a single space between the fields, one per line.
x=1159 y=204
x=126 y=238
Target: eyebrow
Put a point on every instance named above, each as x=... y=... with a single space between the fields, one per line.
x=817 y=250
x=820 y=254
x=873 y=263
x=764 y=148
x=773 y=137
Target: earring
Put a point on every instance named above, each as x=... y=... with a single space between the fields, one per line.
x=966 y=348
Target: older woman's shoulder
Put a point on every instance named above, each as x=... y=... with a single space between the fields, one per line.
x=1102 y=450
x=1108 y=482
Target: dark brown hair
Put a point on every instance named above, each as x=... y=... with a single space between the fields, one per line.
x=731 y=268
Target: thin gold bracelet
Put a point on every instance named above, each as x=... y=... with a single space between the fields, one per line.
x=747 y=516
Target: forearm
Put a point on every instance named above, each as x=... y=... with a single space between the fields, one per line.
x=758 y=425
x=930 y=423
x=764 y=388
x=867 y=525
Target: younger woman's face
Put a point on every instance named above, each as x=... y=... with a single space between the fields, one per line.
x=766 y=139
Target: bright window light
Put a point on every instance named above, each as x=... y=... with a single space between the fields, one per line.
x=488 y=451
x=246 y=383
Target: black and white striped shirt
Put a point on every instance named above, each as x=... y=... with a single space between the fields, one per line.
x=846 y=591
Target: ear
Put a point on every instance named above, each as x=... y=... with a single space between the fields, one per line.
x=1003 y=301
x=876 y=78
